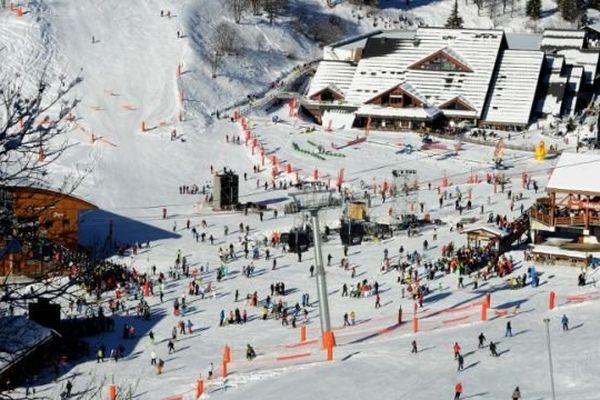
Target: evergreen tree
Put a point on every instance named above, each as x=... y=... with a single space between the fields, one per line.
x=570 y=9
x=534 y=9
x=454 y=20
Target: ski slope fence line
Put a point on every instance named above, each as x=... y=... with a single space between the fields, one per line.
x=245 y=366
x=258 y=153
x=556 y=300
x=311 y=351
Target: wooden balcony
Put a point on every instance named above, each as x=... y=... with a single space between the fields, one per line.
x=576 y=220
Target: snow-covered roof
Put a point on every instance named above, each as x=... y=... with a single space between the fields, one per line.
x=337 y=74
x=425 y=113
x=555 y=84
x=558 y=38
x=573 y=85
x=18 y=335
x=594 y=27
x=576 y=173
x=488 y=228
x=588 y=59
x=386 y=60
x=514 y=88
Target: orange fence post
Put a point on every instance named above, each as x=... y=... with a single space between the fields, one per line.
x=488 y=300
x=199 y=388
x=415 y=324
x=227 y=354
x=112 y=392
x=551 y=300
x=303 y=333
x=330 y=352
x=484 y=312
x=224 y=369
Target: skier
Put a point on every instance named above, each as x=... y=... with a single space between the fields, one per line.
x=493 y=351
x=461 y=363
x=456 y=349
x=250 y=353
x=458 y=389
x=153 y=358
x=312 y=270
x=414 y=347
x=68 y=388
x=481 y=339
x=508 y=329
x=516 y=394
x=171 y=346
x=160 y=366
x=565 y=322
x=352 y=317
x=346 y=322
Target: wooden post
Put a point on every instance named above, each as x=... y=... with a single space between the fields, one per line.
x=552 y=205
x=587 y=213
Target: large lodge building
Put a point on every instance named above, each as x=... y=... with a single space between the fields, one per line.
x=436 y=77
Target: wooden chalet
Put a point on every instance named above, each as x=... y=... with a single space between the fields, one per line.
x=41 y=218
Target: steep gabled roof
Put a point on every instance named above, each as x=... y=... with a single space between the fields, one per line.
x=405 y=87
x=449 y=55
x=331 y=87
x=458 y=99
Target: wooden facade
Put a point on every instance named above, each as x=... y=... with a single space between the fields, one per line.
x=327 y=95
x=570 y=210
x=44 y=214
x=396 y=97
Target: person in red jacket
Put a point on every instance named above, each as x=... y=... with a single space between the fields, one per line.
x=456 y=350
x=458 y=389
